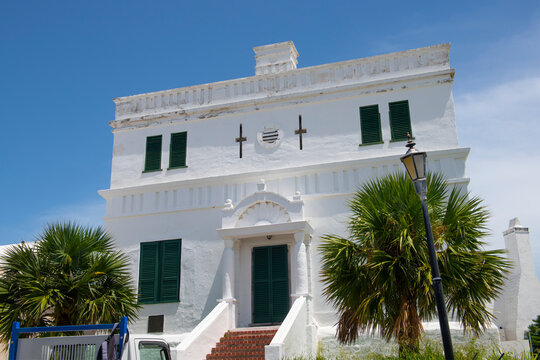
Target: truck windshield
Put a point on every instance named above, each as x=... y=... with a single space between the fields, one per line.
x=153 y=351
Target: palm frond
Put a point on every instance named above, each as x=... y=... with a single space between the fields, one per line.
x=71 y=275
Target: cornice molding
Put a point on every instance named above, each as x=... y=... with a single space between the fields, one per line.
x=365 y=72
x=246 y=106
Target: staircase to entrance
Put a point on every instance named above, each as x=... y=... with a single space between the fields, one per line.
x=243 y=343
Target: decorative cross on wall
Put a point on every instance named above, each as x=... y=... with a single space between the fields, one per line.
x=300 y=131
x=240 y=140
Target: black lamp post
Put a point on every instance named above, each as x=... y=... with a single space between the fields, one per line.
x=415 y=163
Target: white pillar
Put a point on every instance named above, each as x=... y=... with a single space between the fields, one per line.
x=228 y=270
x=302 y=287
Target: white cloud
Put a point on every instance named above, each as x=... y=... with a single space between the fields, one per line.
x=502 y=119
x=501 y=124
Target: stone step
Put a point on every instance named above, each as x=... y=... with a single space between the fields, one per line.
x=243 y=344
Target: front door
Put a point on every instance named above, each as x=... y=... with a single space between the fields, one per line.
x=270 y=284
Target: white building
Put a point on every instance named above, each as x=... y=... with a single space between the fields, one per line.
x=220 y=192
x=519 y=302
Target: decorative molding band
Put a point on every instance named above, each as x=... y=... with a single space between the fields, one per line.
x=330 y=180
x=434 y=155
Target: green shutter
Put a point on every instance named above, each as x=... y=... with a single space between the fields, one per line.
x=177 y=154
x=261 y=286
x=170 y=270
x=280 y=283
x=370 y=124
x=270 y=284
x=148 y=272
x=400 y=120
x=159 y=271
x=152 y=160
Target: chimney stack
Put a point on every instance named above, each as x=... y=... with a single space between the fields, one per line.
x=275 y=58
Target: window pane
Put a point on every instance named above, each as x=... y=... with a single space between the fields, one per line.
x=153 y=351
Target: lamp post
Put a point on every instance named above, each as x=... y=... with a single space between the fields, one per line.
x=415 y=163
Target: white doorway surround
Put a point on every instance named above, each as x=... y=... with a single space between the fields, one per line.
x=263 y=219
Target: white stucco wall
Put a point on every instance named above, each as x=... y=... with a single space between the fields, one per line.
x=187 y=203
x=200 y=280
x=332 y=123
x=325 y=208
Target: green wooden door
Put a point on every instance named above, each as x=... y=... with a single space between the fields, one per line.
x=270 y=284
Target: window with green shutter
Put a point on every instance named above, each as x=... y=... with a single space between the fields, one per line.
x=370 y=124
x=400 y=120
x=159 y=271
x=177 y=154
x=152 y=161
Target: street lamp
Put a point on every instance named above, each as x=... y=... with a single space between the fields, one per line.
x=415 y=163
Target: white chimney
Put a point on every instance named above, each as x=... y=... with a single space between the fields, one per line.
x=275 y=58
x=519 y=303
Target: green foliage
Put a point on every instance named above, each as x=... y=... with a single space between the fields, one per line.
x=70 y=275
x=433 y=351
x=379 y=278
x=533 y=335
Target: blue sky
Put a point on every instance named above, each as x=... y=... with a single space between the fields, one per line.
x=62 y=63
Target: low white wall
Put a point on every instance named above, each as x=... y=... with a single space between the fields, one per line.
x=517 y=347
x=204 y=337
x=291 y=340
x=368 y=344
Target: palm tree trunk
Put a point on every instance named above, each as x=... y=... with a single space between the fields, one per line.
x=410 y=326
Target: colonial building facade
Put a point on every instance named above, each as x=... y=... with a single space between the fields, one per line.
x=220 y=192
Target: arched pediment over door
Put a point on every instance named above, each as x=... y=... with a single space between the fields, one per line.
x=263 y=213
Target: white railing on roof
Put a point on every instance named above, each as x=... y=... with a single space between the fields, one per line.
x=322 y=76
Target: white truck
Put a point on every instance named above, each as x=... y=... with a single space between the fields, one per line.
x=87 y=347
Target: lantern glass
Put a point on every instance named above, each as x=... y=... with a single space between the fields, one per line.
x=420 y=164
x=415 y=163
x=407 y=160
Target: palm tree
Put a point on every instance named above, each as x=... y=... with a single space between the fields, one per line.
x=70 y=275
x=379 y=277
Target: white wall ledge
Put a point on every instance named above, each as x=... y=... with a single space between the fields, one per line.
x=458 y=153
x=263 y=230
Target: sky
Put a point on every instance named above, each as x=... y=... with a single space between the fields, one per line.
x=62 y=63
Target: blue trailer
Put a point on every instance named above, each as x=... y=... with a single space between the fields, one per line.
x=85 y=347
